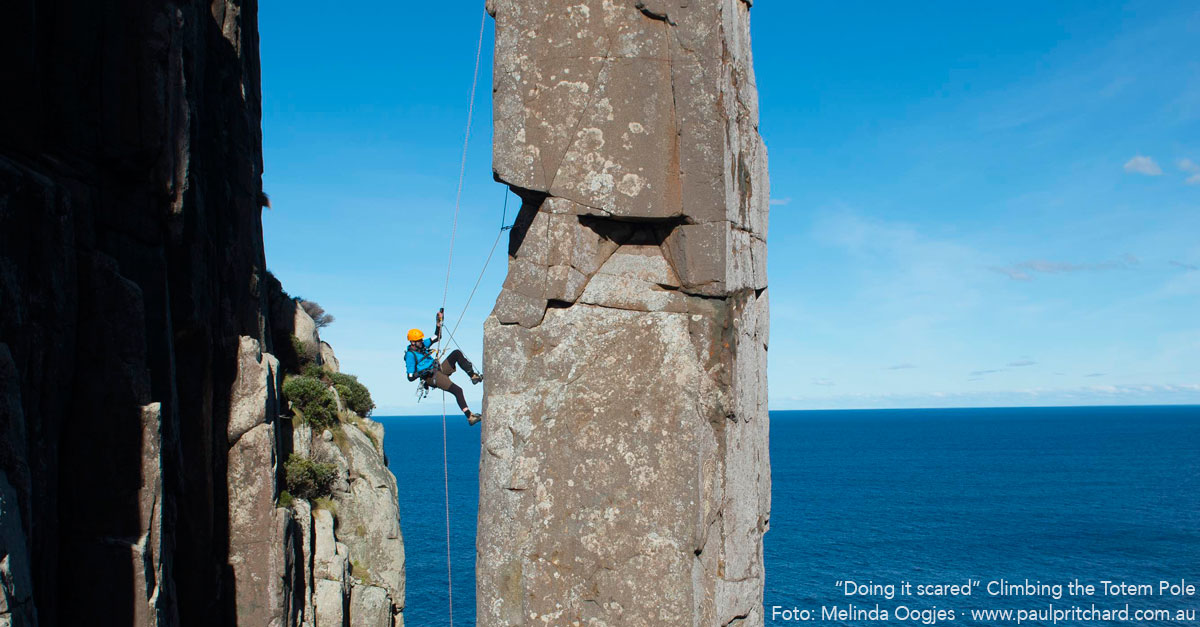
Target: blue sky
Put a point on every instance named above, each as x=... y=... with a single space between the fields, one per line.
x=972 y=204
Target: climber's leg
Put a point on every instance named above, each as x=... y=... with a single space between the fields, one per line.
x=442 y=382
x=456 y=358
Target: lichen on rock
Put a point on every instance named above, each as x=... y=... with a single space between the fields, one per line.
x=624 y=473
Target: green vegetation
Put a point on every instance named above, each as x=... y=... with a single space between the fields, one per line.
x=339 y=439
x=356 y=395
x=307 y=479
x=304 y=354
x=367 y=432
x=313 y=385
x=311 y=369
x=327 y=504
x=285 y=499
x=360 y=571
x=312 y=399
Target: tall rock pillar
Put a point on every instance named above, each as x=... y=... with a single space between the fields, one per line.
x=624 y=475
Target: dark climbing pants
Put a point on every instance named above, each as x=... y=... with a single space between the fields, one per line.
x=440 y=377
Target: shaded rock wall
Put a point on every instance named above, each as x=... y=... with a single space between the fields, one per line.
x=140 y=445
x=624 y=477
x=130 y=258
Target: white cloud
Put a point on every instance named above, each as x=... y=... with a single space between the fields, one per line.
x=1143 y=165
x=823 y=381
x=1013 y=272
x=1114 y=394
x=1187 y=165
x=1024 y=270
x=1023 y=362
x=904 y=366
x=780 y=202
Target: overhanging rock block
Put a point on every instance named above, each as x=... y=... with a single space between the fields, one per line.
x=624 y=472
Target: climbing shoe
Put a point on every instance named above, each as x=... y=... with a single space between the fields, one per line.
x=476 y=378
x=473 y=418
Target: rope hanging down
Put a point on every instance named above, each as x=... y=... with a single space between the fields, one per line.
x=462 y=171
x=462 y=168
x=504 y=226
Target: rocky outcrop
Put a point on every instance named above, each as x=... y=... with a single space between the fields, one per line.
x=354 y=550
x=357 y=556
x=141 y=445
x=624 y=477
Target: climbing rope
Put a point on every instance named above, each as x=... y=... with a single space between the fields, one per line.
x=503 y=227
x=462 y=172
x=462 y=168
x=446 y=487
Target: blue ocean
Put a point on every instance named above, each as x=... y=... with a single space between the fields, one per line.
x=1011 y=497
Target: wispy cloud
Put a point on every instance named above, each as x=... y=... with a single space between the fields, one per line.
x=780 y=202
x=1193 y=168
x=1141 y=164
x=904 y=366
x=980 y=373
x=912 y=271
x=823 y=382
x=1013 y=272
x=1025 y=270
x=1022 y=363
x=1097 y=394
x=1186 y=266
x=1094 y=374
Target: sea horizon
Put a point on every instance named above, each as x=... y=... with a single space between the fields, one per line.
x=454 y=415
x=946 y=494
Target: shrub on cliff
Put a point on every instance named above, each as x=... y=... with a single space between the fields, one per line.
x=318 y=314
x=311 y=369
x=312 y=399
x=305 y=355
x=356 y=395
x=307 y=479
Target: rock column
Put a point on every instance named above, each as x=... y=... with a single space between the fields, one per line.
x=624 y=476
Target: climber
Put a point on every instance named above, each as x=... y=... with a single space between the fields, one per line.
x=422 y=364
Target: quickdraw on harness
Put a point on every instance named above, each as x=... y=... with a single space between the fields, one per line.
x=424 y=377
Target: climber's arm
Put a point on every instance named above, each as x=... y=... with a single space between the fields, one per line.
x=410 y=364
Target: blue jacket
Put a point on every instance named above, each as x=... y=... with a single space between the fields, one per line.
x=416 y=362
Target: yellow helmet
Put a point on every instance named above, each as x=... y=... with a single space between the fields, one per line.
x=415 y=334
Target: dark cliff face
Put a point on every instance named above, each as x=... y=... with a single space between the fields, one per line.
x=131 y=261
